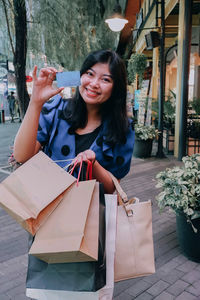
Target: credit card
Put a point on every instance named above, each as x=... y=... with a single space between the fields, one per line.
x=71 y=78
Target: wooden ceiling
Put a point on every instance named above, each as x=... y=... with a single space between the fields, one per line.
x=132 y=8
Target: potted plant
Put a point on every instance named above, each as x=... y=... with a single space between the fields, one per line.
x=196 y=105
x=169 y=111
x=181 y=192
x=136 y=67
x=144 y=136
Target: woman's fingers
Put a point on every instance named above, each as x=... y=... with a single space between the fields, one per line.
x=57 y=91
x=90 y=155
x=34 y=74
x=51 y=77
x=46 y=72
x=87 y=155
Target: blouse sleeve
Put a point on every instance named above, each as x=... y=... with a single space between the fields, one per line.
x=123 y=156
x=117 y=160
x=47 y=116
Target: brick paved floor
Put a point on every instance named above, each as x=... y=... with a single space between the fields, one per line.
x=176 y=277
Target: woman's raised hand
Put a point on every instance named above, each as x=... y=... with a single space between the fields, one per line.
x=42 y=85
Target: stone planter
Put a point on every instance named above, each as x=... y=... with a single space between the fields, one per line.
x=142 y=148
x=189 y=241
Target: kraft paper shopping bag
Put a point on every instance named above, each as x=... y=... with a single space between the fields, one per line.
x=71 y=232
x=134 y=256
x=34 y=190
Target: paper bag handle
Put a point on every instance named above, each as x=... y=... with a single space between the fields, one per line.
x=123 y=198
x=88 y=171
x=119 y=189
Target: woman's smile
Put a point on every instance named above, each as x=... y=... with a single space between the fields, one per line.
x=92 y=93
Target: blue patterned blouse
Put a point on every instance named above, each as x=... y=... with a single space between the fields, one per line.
x=59 y=142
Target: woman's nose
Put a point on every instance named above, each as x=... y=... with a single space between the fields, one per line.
x=94 y=81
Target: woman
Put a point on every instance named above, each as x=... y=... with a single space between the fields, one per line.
x=91 y=126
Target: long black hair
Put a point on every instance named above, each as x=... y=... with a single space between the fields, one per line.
x=114 y=109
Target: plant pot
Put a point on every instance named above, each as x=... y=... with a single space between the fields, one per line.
x=189 y=241
x=142 y=148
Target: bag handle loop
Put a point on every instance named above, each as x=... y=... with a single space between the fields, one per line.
x=123 y=198
x=119 y=189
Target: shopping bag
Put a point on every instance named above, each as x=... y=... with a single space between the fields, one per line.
x=71 y=232
x=40 y=294
x=78 y=276
x=34 y=190
x=106 y=292
x=134 y=256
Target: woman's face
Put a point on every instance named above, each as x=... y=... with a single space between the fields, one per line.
x=96 y=84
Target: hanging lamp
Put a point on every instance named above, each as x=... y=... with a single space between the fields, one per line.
x=116 y=22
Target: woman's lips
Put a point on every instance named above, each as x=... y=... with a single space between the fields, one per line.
x=92 y=93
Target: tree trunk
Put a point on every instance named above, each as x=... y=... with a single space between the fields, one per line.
x=20 y=54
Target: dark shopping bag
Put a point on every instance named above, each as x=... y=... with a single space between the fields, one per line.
x=81 y=276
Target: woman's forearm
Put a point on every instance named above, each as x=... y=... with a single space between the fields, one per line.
x=25 y=144
x=103 y=176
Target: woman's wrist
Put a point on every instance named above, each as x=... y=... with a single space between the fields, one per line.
x=35 y=106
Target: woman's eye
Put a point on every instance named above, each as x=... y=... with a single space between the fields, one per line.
x=89 y=73
x=107 y=79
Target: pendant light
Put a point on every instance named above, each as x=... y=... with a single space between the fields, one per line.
x=116 y=22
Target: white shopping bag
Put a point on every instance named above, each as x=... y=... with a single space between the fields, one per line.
x=40 y=294
x=106 y=293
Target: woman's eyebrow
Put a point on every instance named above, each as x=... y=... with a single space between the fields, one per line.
x=109 y=75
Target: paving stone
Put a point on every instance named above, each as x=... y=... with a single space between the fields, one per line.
x=165 y=296
x=167 y=256
x=20 y=297
x=192 y=276
x=138 y=288
x=155 y=277
x=169 y=266
x=12 y=284
x=4 y=297
x=198 y=267
x=121 y=286
x=186 y=296
x=181 y=259
x=178 y=287
x=123 y=296
x=158 y=288
x=11 y=276
x=187 y=266
x=172 y=277
x=194 y=289
x=17 y=291
x=143 y=296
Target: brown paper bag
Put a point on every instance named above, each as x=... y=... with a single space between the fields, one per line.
x=134 y=256
x=34 y=190
x=71 y=232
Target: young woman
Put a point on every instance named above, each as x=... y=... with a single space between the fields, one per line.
x=91 y=126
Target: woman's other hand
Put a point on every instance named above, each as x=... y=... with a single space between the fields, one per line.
x=87 y=155
x=42 y=85
x=99 y=173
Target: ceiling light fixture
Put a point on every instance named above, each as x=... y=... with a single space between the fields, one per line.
x=116 y=22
